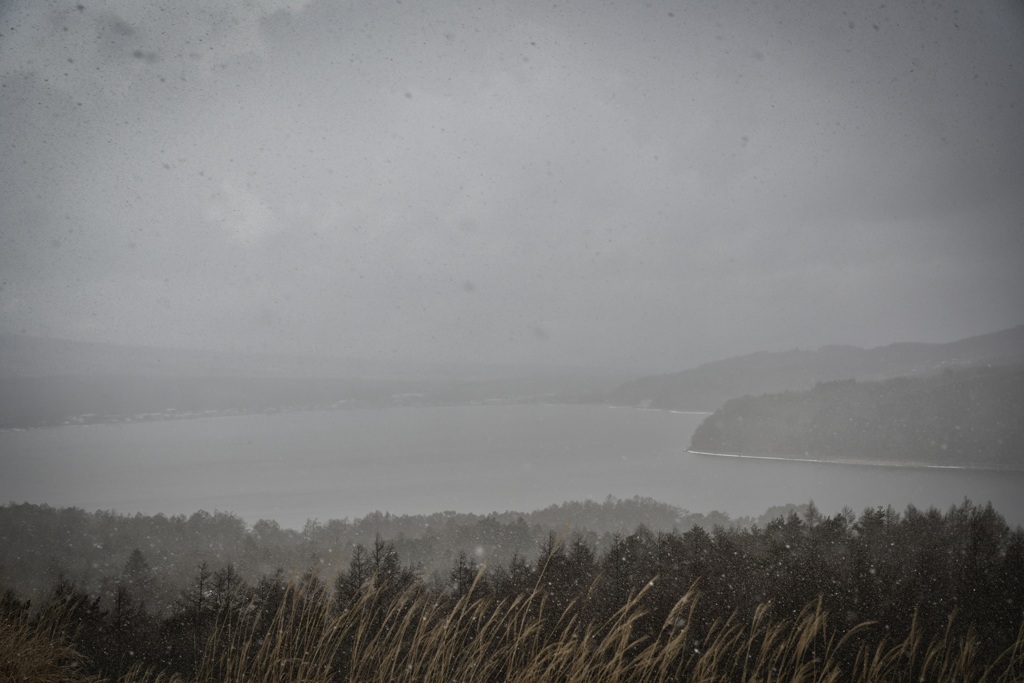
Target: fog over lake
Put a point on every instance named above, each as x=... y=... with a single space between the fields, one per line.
x=336 y=464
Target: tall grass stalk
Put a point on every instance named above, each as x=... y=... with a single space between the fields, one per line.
x=40 y=649
x=421 y=637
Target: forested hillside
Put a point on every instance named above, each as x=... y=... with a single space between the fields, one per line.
x=958 y=417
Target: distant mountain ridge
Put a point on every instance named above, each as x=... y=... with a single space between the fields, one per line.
x=47 y=382
x=27 y=356
x=708 y=386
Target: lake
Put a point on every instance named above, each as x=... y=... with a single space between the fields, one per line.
x=347 y=463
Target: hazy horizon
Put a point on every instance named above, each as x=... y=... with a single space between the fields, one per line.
x=608 y=185
x=228 y=353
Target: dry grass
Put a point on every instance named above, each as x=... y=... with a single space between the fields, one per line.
x=521 y=641
x=41 y=650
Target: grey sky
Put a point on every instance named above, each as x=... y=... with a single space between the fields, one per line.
x=655 y=184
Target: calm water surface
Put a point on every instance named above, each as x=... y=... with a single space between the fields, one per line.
x=337 y=464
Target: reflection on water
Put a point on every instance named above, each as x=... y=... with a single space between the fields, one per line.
x=291 y=467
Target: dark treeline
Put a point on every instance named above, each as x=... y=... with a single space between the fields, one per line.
x=958 y=417
x=40 y=544
x=908 y=572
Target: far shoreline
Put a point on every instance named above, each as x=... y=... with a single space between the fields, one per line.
x=173 y=415
x=851 y=462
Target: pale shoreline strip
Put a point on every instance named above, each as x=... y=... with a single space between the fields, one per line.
x=861 y=463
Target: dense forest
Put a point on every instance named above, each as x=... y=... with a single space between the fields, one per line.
x=968 y=416
x=918 y=593
x=40 y=544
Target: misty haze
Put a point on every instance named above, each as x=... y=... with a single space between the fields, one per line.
x=321 y=320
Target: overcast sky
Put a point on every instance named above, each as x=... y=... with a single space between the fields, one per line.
x=601 y=183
